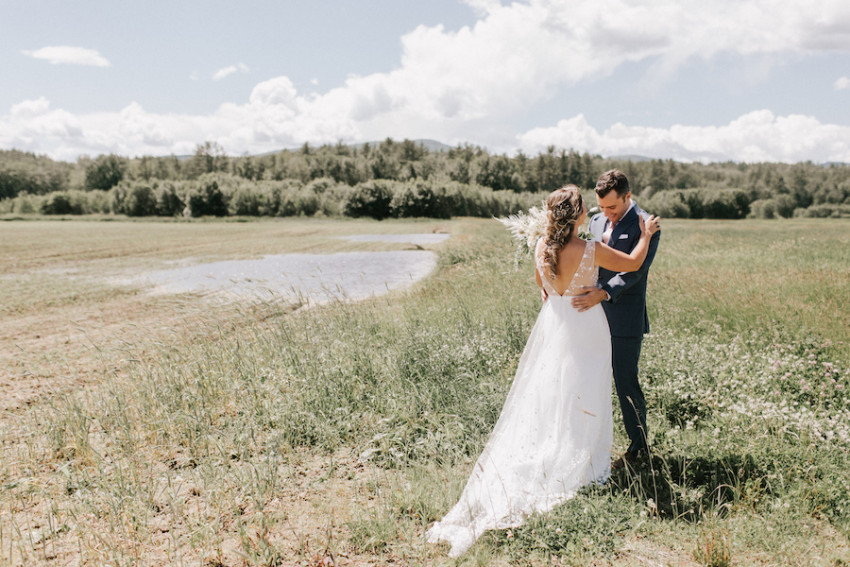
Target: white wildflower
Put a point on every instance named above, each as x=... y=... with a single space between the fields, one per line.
x=526 y=227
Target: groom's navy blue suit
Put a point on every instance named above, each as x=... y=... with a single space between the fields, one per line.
x=627 y=318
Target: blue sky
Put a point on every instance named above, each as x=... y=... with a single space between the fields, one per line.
x=759 y=80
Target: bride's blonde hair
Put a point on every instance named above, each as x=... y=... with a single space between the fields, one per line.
x=563 y=209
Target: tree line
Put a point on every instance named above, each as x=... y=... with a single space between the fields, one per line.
x=406 y=178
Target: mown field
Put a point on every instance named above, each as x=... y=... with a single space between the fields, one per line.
x=141 y=430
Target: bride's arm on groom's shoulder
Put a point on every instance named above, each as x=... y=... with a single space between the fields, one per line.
x=618 y=261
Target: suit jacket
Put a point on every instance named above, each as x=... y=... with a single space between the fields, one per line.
x=626 y=312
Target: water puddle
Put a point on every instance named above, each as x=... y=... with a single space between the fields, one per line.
x=303 y=278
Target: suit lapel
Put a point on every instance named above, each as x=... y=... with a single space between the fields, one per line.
x=628 y=219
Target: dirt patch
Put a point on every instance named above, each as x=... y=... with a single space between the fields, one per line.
x=59 y=349
x=306 y=521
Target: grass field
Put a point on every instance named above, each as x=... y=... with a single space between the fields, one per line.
x=141 y=430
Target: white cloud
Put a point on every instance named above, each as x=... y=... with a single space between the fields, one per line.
x=29 y=108
x=467 y=85
x=276 y=117
x=483 y=7
x=842 y=84
x=756 y=136
x=226 y=71
x=519 y=54
x=68 y=55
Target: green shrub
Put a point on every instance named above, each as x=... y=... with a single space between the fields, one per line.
x=207 y=199
x=699 y=203
x=96 y=202
x=334 y=199
x=420 y=199
x=321 y=185
x=303 y=202
x=781 y=206
x=134 y=199
x=141 y=202
x=370 y=199
x=481 y=202
x=725 y=203
x=25 y=203
x=837 y=211
x=247 y=201
x=763 y=209
x=275 y=194
x=168 y=200
x=62 y=203
x=668 y=204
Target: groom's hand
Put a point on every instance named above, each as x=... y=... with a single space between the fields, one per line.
x=592 y=295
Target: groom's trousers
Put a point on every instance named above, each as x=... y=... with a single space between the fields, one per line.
x=625 y=353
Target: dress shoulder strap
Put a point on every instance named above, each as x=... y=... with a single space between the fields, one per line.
x=541 y=269
x=589 y=257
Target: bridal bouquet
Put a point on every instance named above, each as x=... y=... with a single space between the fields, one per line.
x=526 y=228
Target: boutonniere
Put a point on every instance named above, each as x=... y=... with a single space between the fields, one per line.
x=584 y=231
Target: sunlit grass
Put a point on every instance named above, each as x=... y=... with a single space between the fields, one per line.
x=268 y=437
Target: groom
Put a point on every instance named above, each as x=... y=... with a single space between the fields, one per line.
x=623 y=297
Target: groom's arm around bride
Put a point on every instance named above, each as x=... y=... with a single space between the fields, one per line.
x=623 y=297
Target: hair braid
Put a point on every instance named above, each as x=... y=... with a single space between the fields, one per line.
x=563 y=209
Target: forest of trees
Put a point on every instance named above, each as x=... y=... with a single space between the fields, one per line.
x=402 y=179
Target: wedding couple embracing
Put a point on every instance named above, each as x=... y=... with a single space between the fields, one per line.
x=555 y=432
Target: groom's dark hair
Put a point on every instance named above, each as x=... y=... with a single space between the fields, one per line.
x=612 y=180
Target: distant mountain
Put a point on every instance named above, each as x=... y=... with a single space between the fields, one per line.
x=430 y=145
x=634 y=158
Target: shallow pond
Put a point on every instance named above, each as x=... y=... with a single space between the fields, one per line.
x=311 y=278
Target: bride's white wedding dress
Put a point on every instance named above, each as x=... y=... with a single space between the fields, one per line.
x=555 y=431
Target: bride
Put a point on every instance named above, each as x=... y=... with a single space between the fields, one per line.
x=555 y=431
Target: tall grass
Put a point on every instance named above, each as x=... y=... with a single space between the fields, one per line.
x=204 y=452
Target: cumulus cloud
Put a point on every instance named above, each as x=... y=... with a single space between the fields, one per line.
x=276 y=116
x=842 y=84
x=467 y=85
x=483 y=7
x=521 y=53
x=753 y=137
x=69 y=55
x=229 y=70
x=29 y=108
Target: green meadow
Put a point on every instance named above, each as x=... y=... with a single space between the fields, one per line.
x=177 y=430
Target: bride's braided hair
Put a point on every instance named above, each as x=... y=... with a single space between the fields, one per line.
x=563 y=209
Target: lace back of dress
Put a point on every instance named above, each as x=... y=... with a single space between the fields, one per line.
x=585 y=273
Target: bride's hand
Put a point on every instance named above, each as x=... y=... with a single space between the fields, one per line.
x=651 y=225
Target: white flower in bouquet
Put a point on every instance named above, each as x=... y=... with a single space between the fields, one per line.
x=526 y=227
